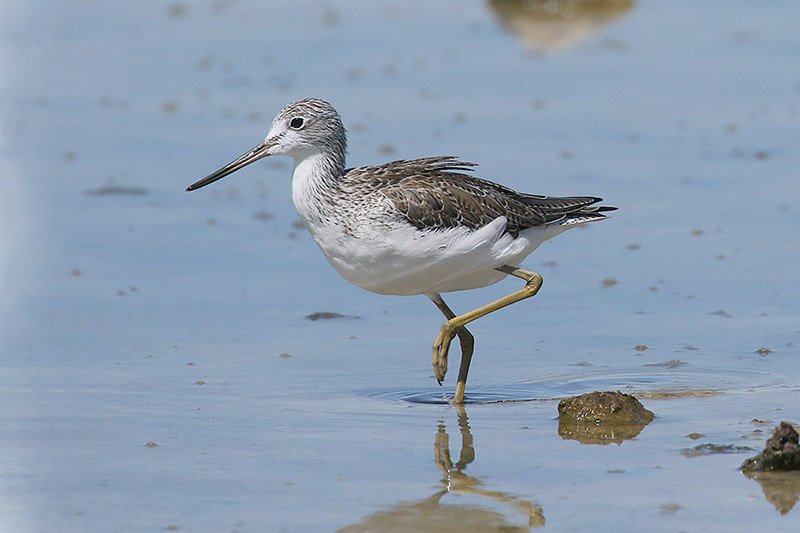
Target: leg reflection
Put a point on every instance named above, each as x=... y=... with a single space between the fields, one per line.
x=455 y=480
x=439 y=513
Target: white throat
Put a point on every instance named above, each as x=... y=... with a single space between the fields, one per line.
x=311 y=180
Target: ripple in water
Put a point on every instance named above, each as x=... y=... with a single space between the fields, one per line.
x=645 y=382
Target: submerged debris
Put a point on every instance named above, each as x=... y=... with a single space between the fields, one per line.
x=670 y=508
x=672 y=363
x=326 y=315
x=262 y=215
x=782 y=452
x=713 y=449
x=602 y=417
x=110 y=189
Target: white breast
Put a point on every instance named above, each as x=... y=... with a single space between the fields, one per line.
x=404 y=260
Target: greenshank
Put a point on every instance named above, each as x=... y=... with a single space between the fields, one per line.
x=420 y=226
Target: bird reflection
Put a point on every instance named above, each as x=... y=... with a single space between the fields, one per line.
x=553 y=25
x=435 y=514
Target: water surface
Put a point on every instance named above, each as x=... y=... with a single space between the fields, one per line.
x=158 y=369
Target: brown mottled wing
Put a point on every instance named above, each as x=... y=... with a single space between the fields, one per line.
x=434 y=193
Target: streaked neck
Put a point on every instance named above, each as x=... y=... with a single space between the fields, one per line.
x=314 y=184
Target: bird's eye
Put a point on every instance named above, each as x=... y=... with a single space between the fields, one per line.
x=296 y=123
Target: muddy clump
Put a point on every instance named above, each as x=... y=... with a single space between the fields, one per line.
x=781 y=453
x=777 y=468
x=602 y=417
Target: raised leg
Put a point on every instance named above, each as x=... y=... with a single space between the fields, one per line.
x=454 y=325
x=465 y=338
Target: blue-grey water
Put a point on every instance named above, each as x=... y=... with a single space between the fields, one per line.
x=158 y=371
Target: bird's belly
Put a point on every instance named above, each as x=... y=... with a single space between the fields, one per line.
x=404 y=260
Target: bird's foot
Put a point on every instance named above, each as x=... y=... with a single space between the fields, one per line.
x=441 y=347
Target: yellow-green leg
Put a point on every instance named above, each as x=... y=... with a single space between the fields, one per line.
x=455 y=326
x=464 y=336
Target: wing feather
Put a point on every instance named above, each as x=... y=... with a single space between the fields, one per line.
x=435 y=193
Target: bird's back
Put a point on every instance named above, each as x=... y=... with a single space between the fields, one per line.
x=434 y=193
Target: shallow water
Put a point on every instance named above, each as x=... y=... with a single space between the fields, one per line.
x=158 y=370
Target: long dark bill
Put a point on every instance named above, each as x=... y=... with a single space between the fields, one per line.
x=262 y=150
